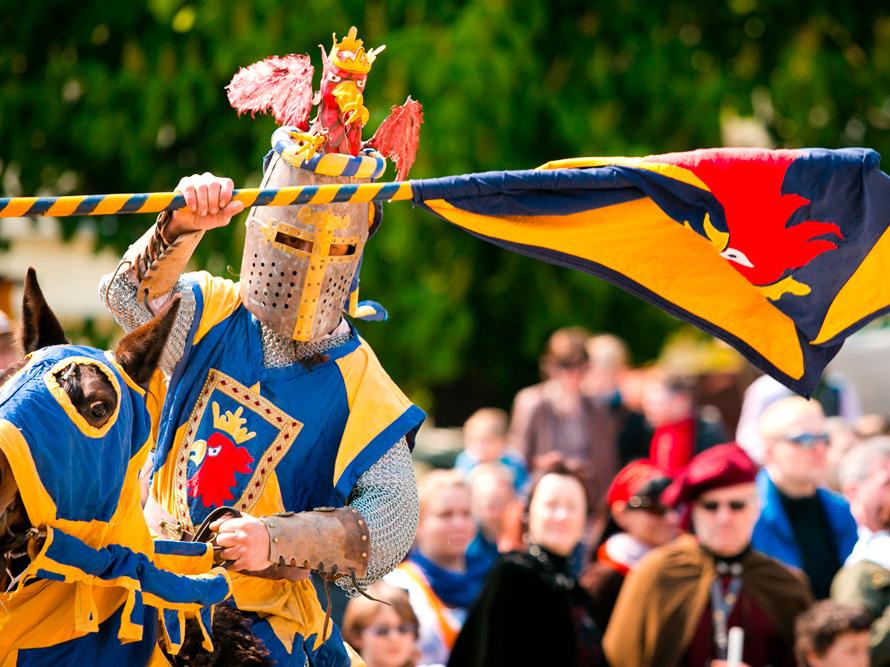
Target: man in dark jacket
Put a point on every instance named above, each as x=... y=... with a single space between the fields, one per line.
x=801 y=523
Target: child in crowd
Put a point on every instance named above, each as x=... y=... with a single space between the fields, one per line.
x=493 y=504
x=830 y=634
x=384 y=632
x=485 y=441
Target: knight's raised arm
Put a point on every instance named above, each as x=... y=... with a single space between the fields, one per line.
x=149 y=271
x=277 y=407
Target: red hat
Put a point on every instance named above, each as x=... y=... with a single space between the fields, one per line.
x=714 y=468
x=634 y=478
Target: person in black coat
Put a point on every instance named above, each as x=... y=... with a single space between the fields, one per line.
x=532 y=610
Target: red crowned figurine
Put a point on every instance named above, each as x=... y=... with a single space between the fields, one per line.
x=282 y=86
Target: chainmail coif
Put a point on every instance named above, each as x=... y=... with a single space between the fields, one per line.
x=280 y=351
x=385 y=495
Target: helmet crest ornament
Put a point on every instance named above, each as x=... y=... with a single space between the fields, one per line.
x=349 y=54
x=299 y=271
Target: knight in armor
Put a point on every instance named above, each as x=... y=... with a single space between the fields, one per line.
x=272 y=404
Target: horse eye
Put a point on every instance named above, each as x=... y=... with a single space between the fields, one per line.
x=99 y=410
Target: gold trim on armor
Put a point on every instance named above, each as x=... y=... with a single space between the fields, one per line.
x=325 y=224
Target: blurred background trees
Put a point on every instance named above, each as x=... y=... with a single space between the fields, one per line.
x=128 y=97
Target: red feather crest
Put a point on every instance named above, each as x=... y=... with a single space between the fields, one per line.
x=398 y=136
x=279 y=85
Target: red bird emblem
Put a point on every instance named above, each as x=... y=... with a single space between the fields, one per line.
x=759 y=242
x=282 y=86
x=214 y=480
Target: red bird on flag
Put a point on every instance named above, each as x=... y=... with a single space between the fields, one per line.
x=760 y=242
x=788 y=255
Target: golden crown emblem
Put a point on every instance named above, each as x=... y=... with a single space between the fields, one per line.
x=232 y=423
x=349 y=54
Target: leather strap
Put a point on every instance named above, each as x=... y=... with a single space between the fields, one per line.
x=157 y=261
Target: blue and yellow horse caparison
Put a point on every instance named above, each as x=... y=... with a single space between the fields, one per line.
x=88 y=584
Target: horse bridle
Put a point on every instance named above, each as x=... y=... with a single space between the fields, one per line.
x=22 y=545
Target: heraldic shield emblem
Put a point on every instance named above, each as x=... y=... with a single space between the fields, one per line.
x=233 y=440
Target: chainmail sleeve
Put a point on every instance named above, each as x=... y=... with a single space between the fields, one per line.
x=386 y=496
x=117 y=292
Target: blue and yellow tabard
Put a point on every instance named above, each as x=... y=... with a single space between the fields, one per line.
x=98 y=587
x=268 y=440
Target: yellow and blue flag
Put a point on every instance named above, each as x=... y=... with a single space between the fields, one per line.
x=780 y=253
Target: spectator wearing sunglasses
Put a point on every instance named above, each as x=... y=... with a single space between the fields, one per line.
x=678 y=603
x=384 y=632
x=638 y=523
x=802 y=523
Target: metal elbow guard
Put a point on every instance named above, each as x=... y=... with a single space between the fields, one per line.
x=332 y=542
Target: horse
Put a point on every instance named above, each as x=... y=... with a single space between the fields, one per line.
x=80 y=577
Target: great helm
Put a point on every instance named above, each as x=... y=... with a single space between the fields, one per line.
x=300 y=264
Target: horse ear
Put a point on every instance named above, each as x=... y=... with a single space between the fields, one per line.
x=40 y=328
x=140 y=350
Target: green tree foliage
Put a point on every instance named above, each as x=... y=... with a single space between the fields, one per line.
x=128 y=96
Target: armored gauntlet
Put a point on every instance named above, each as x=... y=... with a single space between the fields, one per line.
x=332 y=542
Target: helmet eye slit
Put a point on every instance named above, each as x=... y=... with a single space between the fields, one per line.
x=342 y=249
x=294 y=242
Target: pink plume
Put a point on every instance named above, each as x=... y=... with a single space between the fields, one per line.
x=398 y=136
x=280 y=85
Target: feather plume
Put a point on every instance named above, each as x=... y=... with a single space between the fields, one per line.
x=398 y=136
x=278 y=85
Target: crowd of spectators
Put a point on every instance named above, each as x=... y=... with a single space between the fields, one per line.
x=602 y=526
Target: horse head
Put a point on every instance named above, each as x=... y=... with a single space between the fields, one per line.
x=90 y=389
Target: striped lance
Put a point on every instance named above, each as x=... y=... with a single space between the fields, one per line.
x=155 y=202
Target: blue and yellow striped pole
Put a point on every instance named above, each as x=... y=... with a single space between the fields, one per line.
x=155 y=202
